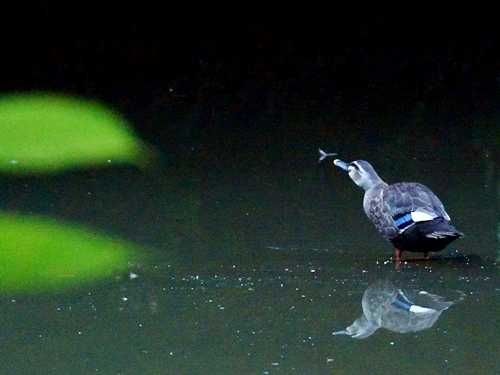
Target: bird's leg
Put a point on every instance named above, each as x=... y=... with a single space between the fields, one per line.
x=426 y=255
x=399 y=254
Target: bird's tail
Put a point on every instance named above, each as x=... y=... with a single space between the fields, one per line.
x=444 y=234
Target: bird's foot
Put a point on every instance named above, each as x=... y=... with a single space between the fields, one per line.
x=399 y=254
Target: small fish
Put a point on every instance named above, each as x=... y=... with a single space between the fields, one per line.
x=323 y=154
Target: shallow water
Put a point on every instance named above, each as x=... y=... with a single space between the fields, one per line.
x=258 y=253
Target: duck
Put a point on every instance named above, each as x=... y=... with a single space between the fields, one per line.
x=387 y=306
x=408 y=214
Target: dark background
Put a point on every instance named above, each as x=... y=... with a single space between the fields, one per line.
x=259 y=252
x=194 y=75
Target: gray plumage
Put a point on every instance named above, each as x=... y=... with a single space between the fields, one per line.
x=408 y=214
x=385 y=306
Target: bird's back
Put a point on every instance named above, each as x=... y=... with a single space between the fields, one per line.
x=397 y=200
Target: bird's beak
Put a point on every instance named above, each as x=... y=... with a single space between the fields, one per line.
x=341 y=164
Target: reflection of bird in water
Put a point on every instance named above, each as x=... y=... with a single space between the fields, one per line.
x=385 y=306
x=408 y=214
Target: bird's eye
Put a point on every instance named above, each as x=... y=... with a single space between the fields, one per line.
x=354 y=165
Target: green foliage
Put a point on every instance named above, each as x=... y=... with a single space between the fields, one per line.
x=42 y=133
x=38 y=253
x=46 y=133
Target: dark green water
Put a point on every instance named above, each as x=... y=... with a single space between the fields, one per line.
x=258 y=254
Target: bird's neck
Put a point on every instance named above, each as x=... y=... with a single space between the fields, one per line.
x=373 y=193
x=375 y=182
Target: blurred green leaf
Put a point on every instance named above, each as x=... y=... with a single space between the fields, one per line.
x=42 y=133
x=39 y=254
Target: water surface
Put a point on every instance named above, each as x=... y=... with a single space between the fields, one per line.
x=258 y=253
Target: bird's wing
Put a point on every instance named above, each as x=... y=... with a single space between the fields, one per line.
x=401 y=199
